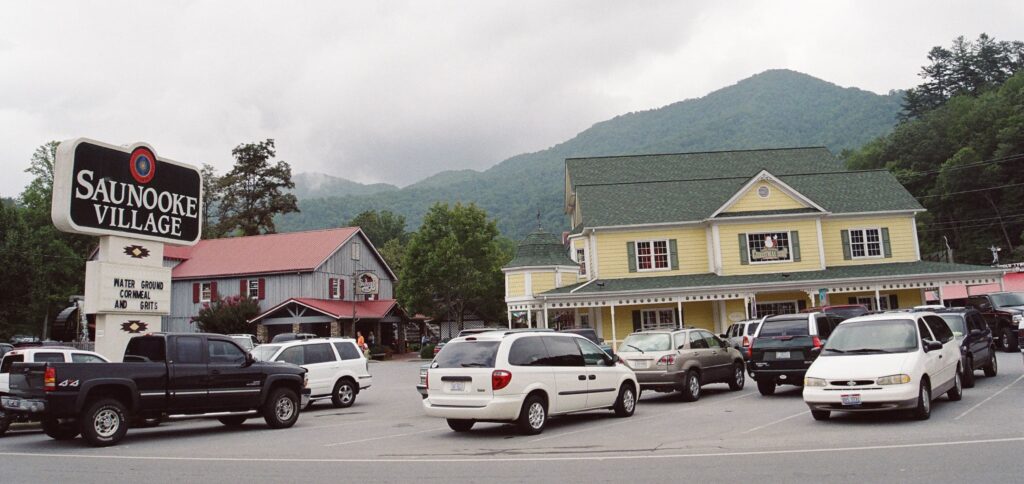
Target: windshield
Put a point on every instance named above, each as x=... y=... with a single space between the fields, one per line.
x=264 y=352
x=1008 y=299
x=467 y=354
x=244 y=341
x=885 y=336
x=956 y=323
x=784 y=327
x=647 y=342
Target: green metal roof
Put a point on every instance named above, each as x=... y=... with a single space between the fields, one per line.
x=919 y=268
x=648 y=189
x=540 y=248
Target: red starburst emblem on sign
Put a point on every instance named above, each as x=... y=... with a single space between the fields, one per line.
x=142 y=164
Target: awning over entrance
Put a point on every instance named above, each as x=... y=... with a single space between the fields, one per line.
x=308 y=310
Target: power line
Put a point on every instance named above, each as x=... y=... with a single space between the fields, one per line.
x=1005 y=216
x=972 y=191
x=969 y=226
x=968 y=165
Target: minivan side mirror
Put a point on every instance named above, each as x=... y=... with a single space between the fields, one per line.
x=930 y=345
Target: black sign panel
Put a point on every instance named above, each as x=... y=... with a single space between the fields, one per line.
x=102 y=189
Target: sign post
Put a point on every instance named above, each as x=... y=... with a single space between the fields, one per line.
x=135 y=202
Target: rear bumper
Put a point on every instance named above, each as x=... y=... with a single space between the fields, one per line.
x=503 y=408
x=422 y=389
x=659 y=379
x=788 y=377
x=365 y=382
x=873 y=399
x=18 y=405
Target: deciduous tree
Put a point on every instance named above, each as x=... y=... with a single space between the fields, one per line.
x=254 y=191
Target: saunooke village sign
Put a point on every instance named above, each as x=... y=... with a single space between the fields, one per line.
x=136 y=202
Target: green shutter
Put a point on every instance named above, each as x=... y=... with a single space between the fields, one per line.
x=636 y=320
x=794 y=245
x=744 y=256
x=847 y=253
x=631 y=255
x=673 y=254
x=886 y=248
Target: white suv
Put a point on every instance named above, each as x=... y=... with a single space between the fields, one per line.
x=523 y=377
x=885 y=361
x=336 y=368
x=42 y=354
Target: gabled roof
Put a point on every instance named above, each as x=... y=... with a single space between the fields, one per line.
x=258 y=254
x=338 y=309
x=765 y=175
x=540 y=248
x=691 y=187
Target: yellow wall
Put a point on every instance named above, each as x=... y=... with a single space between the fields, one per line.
x=728 y=236
x=777 y=200
x=695 y=315
x=516 y=285
x=542 y=281
x=734 y=306
x=901 y=238
x=613 y=262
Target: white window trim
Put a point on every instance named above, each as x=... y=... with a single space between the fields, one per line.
x=881 y=243
x=657 y=317
x=668 y=255
x=205 y=292
x=789 y=238
x=794 y=302
x=356 y=251
x=253 y=292
x=582 y=264
x=336 y=289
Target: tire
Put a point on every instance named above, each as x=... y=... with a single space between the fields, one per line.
x=460 y=425
x=923 y=411
x=533 y=417
x=821 y=415
x=956 y=393
x=739 y=377
x=281 y=410
x=233 y=420
x=103 y=423
x=59 y=431
x=625 y=405
x=992 y=367
x=691 y=387
x=1014 y=343
x=1007 y=341
x=969 y=373
x=344 y=394
x=766 y=387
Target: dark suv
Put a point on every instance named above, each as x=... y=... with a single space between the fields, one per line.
x=1003 y=311
x=973 y=336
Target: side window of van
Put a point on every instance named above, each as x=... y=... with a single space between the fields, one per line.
x=528 y=351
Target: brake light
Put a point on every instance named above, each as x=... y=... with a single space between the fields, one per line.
x=500 y=379
x=667 y=360
x=50 y=379
x=746 y=341
x=750 y=350
x=816 y=342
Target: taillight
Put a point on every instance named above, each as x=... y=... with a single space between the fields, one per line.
x=50 y=379
x=500 y=379
x=667 y=360
x=746 y=341
x=750 y=350
x=816 y=342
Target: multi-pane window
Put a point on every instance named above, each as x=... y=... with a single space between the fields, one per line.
x=769 y=247
x=865 y=243
x=581 y=258
x=254 y=288
x=356 y=248
x=657 y=319
x=336 y=289
x=770 y=308
x=205 y=292
x=652 y=255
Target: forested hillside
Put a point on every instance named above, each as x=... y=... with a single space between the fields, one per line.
x=777 y=108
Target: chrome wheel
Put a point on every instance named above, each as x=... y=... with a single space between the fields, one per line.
x=284 y=408
x=106 y=422
x=628 y=400
x=346 y=393
x=926 y=400
x=694 y=386
x=739 y=376
x=536 y=415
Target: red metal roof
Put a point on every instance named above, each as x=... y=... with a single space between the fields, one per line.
x=257 y=254
x=339 y=309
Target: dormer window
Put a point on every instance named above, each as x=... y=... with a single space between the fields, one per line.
x=581 y=259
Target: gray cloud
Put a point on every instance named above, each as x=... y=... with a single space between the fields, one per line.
x=396 y=91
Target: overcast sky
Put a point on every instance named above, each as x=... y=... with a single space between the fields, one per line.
x=396 y=91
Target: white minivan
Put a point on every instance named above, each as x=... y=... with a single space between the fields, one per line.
x=337 y=370
x=523 y=377
x=885 y=361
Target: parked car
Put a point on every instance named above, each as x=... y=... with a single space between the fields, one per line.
x=842 y=310
x=53 y=354
x=683 y=360
x=471 y=331
x=163 y=374
x=591 y=334
x=246 y=341
x=785 y=346
x=1003 y=311
x=337 y=370
x=739 y=335
x=281 y=338
x=974 y=338
x=523 y=378
x=885 y=361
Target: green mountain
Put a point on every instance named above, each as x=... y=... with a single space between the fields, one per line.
x=773 y=109
x=319 y=185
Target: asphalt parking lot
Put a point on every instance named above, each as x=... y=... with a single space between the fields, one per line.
x=725 y=437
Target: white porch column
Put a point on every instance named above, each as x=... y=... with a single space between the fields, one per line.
x=615 y=342
x=878 y=300
x=813 y=296
x=746 y=306
x=938 y=290
x=545 y=306
x=529 y=316
x=680 y=307
x=509 y=318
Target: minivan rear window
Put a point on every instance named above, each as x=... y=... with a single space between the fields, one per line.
x=784 y=327
x=467 y=354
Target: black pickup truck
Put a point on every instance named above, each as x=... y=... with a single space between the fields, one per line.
x=785 y=346
x=164 y=376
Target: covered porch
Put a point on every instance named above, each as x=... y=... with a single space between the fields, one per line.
x=333 y=318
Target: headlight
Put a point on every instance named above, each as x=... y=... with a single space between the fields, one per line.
x=1017 y=318
x=893 y=380
x=814 y=382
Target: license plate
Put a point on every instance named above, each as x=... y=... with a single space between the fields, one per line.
x=782 y=355
x=458 y=386
x=851 y=399
x=641 y=363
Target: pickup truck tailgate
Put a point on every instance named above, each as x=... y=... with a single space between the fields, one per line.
x=26 y=379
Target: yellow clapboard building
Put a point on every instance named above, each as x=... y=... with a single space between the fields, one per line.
x=709 y=239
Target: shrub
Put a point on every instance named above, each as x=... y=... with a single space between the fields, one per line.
x=227 y=316
x=427 y=352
